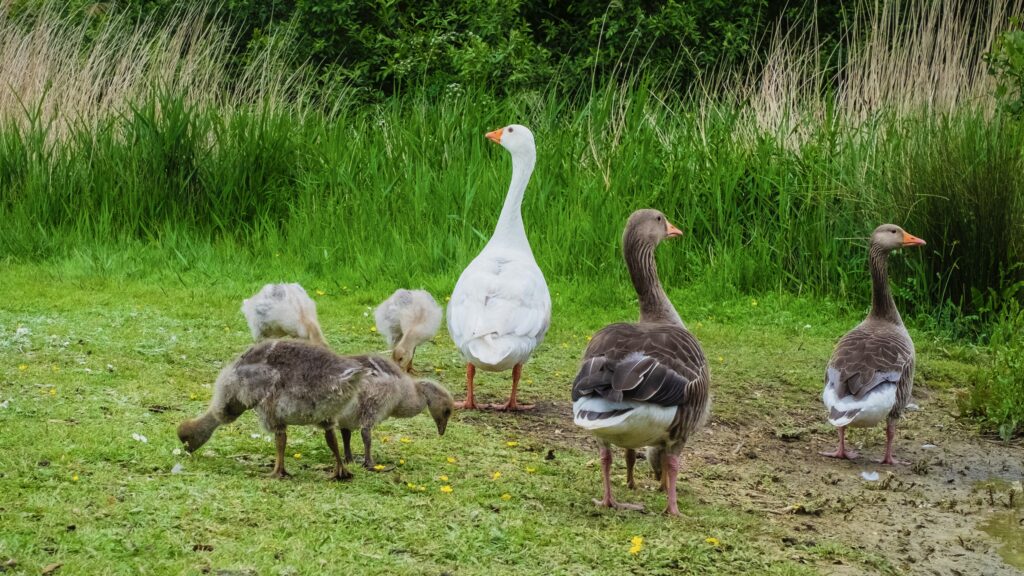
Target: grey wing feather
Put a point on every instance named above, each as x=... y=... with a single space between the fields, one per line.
x=657 y=363
x=866 y=358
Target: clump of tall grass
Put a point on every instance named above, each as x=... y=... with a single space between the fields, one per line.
x=71 y=74
x=996 y=393
x=770 y=172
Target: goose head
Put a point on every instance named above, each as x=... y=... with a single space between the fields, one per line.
x=439 y=402
x=515 y=138
x=649 y=227
x=889 y=237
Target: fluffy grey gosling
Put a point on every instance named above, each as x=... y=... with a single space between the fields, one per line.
x=289 y=382
x=407 y=319
x=279 y=310
x=397 y=396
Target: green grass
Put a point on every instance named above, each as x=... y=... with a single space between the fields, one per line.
x=88 y=359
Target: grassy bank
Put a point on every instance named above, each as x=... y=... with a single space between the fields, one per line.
x=87 y=360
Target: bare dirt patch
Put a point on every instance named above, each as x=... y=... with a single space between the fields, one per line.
x=922 y=518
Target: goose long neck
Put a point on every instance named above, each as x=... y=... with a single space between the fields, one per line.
x=510 y=231
x=883 y=307
x=643 y=271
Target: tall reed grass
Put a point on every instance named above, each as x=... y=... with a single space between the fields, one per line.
x=126 y=133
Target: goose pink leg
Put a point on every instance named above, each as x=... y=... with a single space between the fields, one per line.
x=841 y=452
x=606 y=473
x=670 y=468
x=890 y=435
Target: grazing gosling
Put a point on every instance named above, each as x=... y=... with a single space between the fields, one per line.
x=279 y=310
x=289 y=382
x=407 y=319
x=394 y=396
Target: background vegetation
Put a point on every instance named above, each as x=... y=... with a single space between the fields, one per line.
x=345 y=139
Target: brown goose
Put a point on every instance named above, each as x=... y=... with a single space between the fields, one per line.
x=290 y=382
x=871 y=373
x=644 y=384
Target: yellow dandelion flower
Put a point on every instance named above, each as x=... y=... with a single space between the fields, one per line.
x=512 y=444
x=226 y=329
x=378 y=467
x=191 y=395
x=713 y=541
x=74 y=477
x=405 y=439
x=421 y=488
x=298 y=455
x=401 y=461
x=451 y=459
x=446 y=489
x=565 y=344
x=22 y=367
x=443 y=477
x=529 y=380
x=320 y=292
x=55 y=368
x=437 y=370
x=373 y=328
x=53 y=391
x=506 y=496
x=721 y=359
x=636 y=545
x=530 y=469
x=589 y=338
x=753 y=303
x=447 y=298
x=385 y=439
x=410 y=485
x=495 y=475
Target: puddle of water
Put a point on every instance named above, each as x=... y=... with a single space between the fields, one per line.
x=1007 y=529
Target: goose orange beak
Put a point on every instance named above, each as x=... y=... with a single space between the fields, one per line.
x=671 y=231
x=911 y=240
x=494 y=135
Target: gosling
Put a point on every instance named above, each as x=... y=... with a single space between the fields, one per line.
x=394 y=396
x=289 y=382
x=279 y=310
x=407 y=319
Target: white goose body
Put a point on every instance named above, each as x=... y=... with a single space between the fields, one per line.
x=627 y=424
x=500 y=308
x=865 y=412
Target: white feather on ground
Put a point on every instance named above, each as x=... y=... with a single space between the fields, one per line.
x=407 y=319
x=279 y=310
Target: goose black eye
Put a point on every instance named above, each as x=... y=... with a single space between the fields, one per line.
x=510 y=129
x=659 y=218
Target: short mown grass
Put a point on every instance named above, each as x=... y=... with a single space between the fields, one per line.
x=88 y=360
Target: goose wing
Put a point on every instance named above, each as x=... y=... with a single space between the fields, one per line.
x=499 y=296
x=659 y=364
x=866 y=358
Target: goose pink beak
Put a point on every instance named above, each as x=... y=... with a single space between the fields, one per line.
x=495 y=135
x=911 y=240
x=671 y=231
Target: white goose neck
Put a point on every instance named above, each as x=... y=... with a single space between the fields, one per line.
x=510 y=233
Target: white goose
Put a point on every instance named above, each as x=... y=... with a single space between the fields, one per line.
x=500 y=308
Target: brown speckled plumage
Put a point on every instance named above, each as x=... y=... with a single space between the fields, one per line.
x=644 y=384
x=290 y=382
x=870 y=375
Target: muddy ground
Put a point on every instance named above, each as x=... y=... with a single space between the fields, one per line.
x=922 y=518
